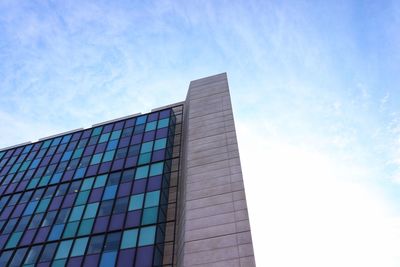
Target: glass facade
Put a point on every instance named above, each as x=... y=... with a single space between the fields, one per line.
x=95 y=197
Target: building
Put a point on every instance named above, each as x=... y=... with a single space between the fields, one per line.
x=158 y=189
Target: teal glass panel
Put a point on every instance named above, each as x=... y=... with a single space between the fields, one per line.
x=82 y=198
x=141 y=119
x=156 y=168
x=97 y=131
x=33 y=183
x=104 y=137
x=70 y=229
x=79 y=247
x=15 y=168
x=142 y=172
x=76 y=213
x=77 y=153
x=160 y=144
x=56 y=232
x=46 y=144
x=151 y=126
x=109 y=192
x=136 y=202
x=147 y=235
x=115 y=135
x=30 y=208
x=108 y=259
x=108 y=156
x=150 y=216
x=65 y=139
x=86 y=227
x=67 y=155
x=43 y=205
x=152 y=199
x=63 y=249
x=100 y=181
x=112 y=145
x=146 y=147
x=87 y=184
x=144 y=158
x=14 y=239
x=44 y=181
x=79 y=173
x=96 y=158
x=59 y=263
x=163 y=123
x=56 y=178
x=91 y=210
x=129 y=238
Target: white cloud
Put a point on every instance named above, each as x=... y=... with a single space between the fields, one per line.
x=308 y=208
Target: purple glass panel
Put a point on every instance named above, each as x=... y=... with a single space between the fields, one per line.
x=11 y=188
x=86 y=133
x=158 y=155
x=139 y=186
x=56 y=203
x=75 y=262
x=91 y=260
x=28 y=237
x=117 y=165
x=76 y=136
x=6 y=213
x=18 y=210
x=105 y=167
x=131 y=162
x=88 y=151
x=56 y=158
x=148 y=136
x=133 y=218
x=35 y=147
x=100 y=148
x=95 y=195
x=92 y=170
x=45 y=161
x=117 y=222
x=144 y=256
x=136 y=139
x=130 y=122
x=118 y=125
x=5 y=170
x=154 y=183
x=162 y=133
x=165 y=114
x=18 y=151
x=101 y=224
x=107 y=128
x=152 y=117
x=44 y=264
x=42 y=234
x=3 y=240
x=124 y=142
x=22 y=186
x=126 y=257
x=69 y=200
x=2 y=188
x=124 y=189
x=68 y=175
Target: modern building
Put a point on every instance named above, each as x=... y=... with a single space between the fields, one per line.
x=158 y=189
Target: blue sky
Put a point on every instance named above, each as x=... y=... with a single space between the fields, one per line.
x=315 y=93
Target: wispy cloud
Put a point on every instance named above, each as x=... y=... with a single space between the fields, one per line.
x=313 y=87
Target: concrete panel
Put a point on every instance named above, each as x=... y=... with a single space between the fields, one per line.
x=215 y=229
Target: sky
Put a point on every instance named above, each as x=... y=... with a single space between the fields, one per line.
x=314 y=86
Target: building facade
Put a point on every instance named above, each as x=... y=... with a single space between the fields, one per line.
x=158 y=189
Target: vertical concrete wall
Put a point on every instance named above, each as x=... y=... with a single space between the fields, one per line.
x=213 y=225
